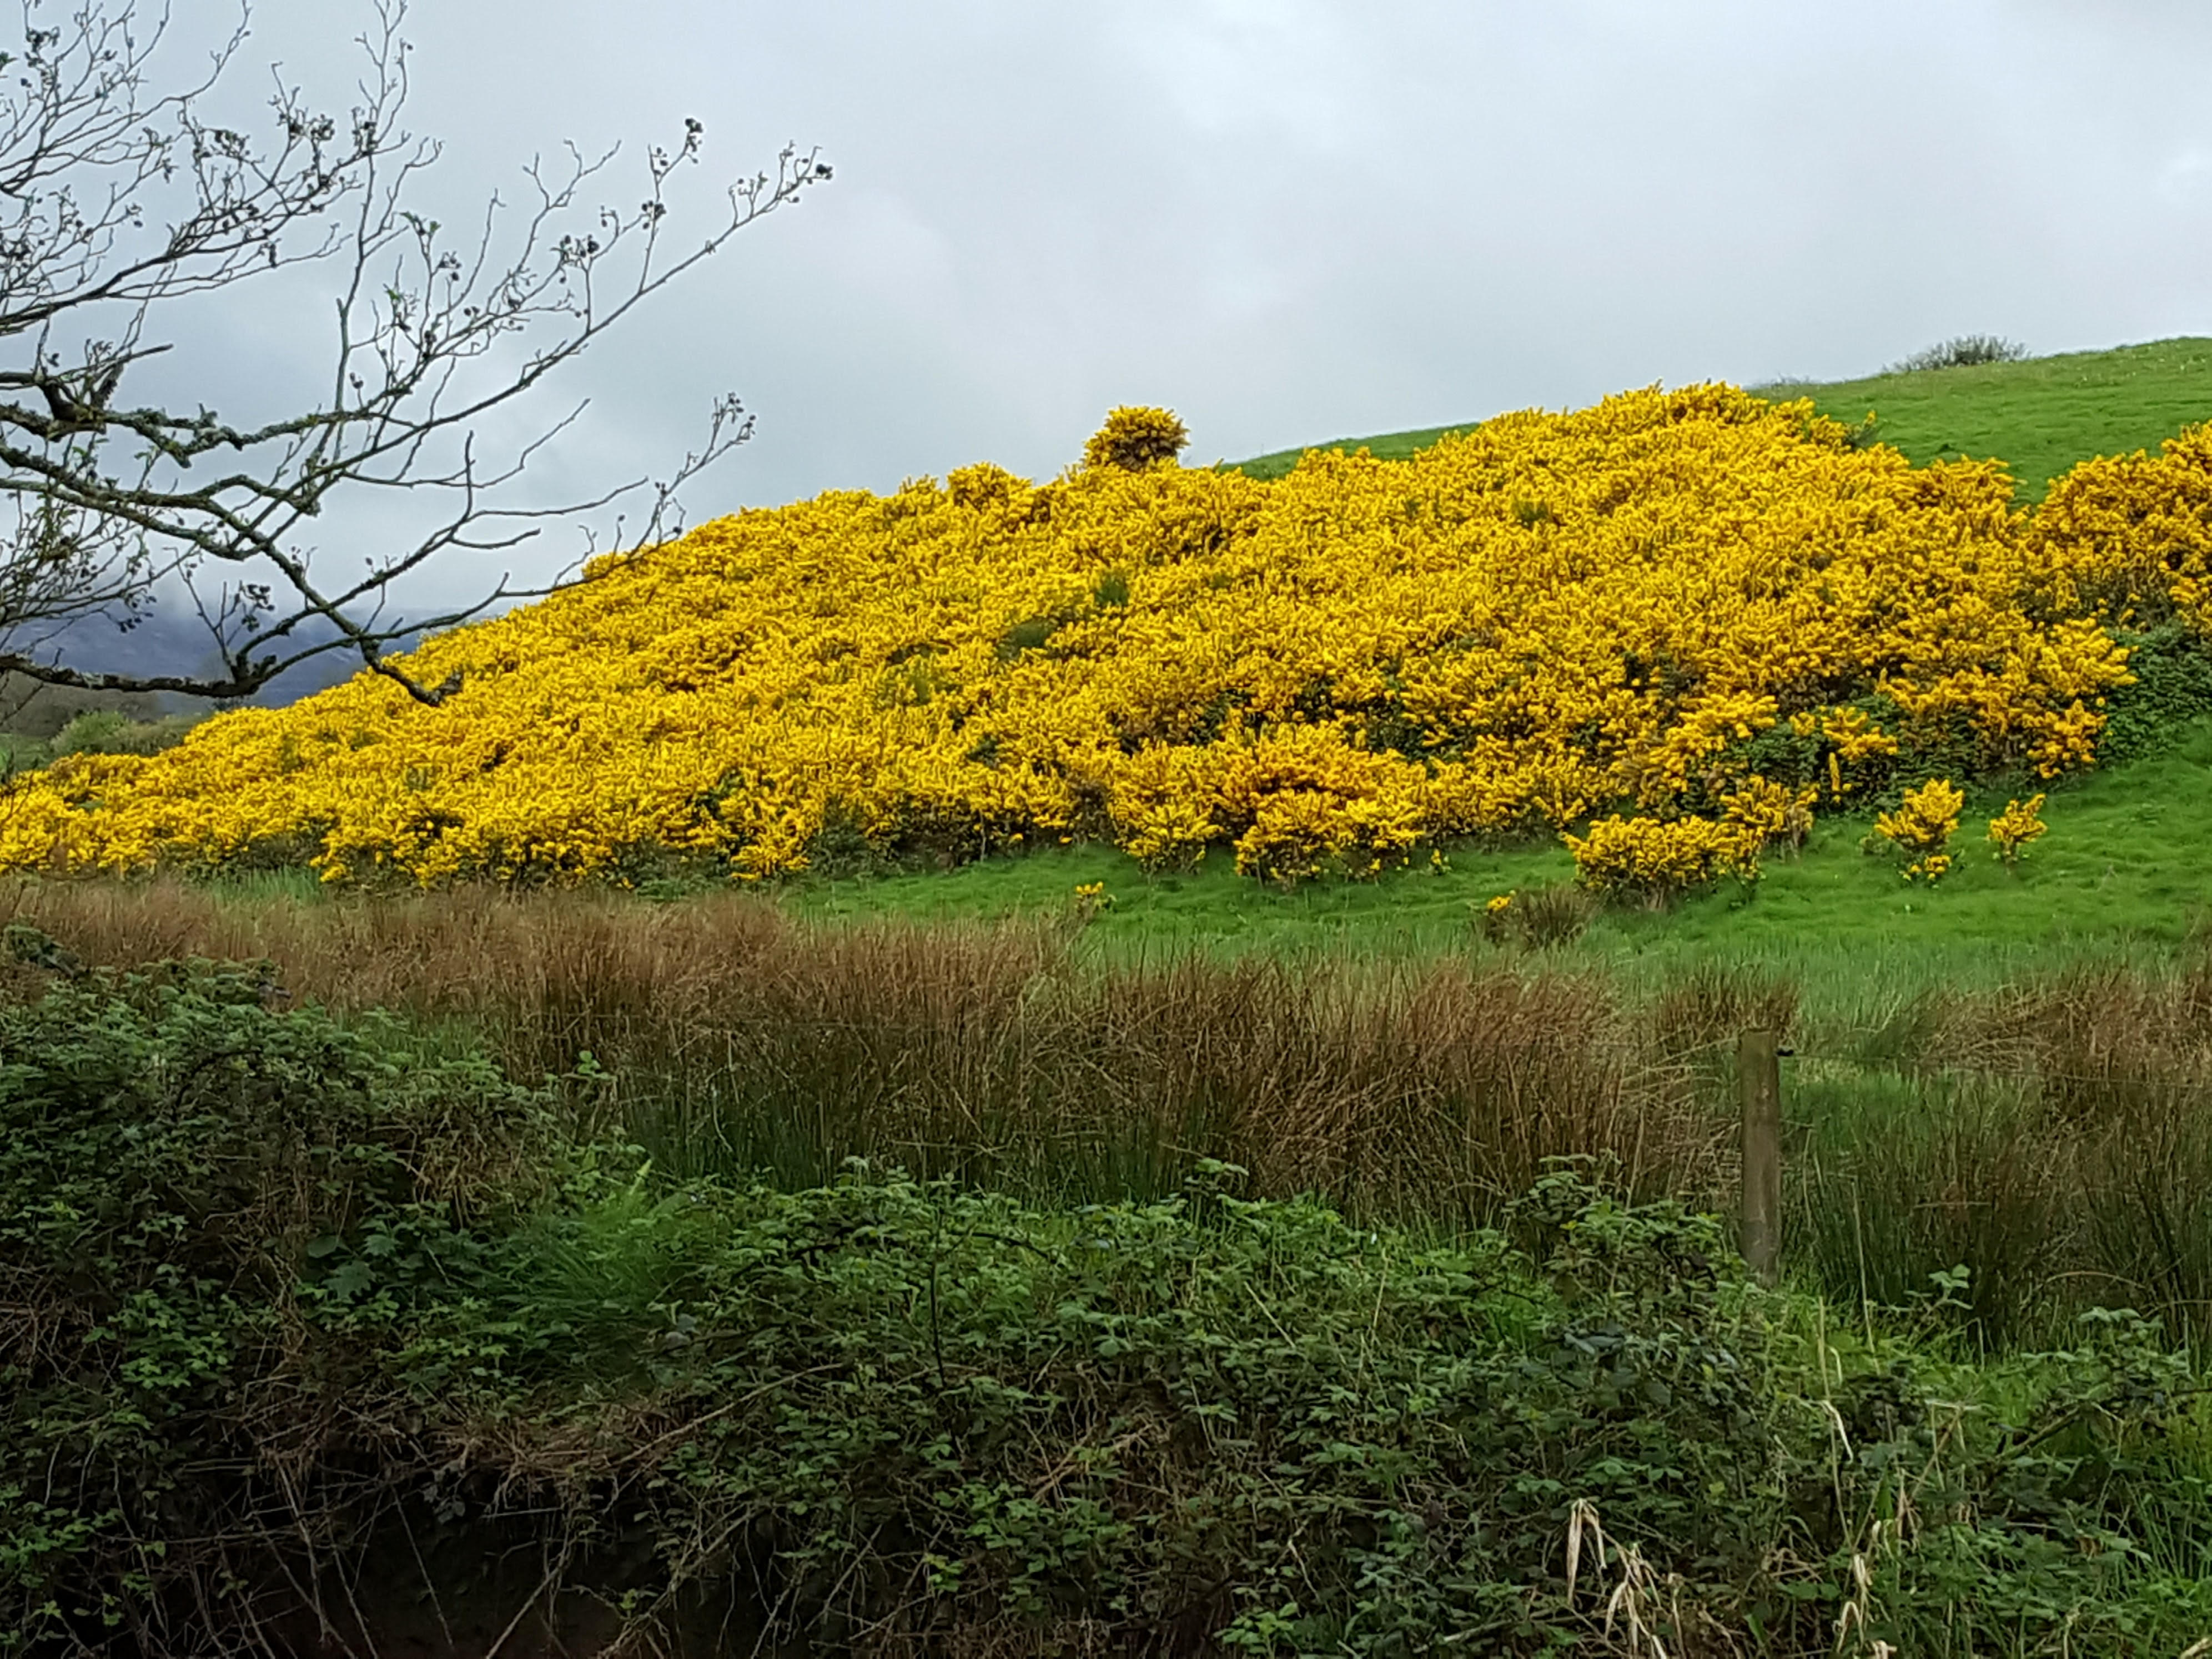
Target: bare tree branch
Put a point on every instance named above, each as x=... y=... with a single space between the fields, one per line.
x=115 y=502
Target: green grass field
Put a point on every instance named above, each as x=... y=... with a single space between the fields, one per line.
x=2127 y=865
x=2039 y=417
x=2125 y=872
x=2124 y=869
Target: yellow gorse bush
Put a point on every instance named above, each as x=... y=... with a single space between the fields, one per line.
x=1551 y=617
x=1921 y=829
x=1655 y=859
x=1136 y=439
x=2127 y=538
x=1770 y=814
x=2012 y=829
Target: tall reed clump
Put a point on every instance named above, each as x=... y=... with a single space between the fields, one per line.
x=735 y=1040
x=2052 y=1138
x=2121 y=1063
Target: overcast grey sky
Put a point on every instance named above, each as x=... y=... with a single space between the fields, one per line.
x=1292 y=221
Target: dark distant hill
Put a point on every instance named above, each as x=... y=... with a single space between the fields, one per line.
x=168 y=641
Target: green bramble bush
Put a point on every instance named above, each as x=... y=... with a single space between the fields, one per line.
x=281 y=1290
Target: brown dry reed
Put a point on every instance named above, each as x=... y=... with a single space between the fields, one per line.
x=2054 y=1136
x=736 y=1040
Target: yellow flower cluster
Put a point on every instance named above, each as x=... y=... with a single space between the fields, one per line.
x=1770 y=814
x=1655 y=859
x=1136 y=439
x=1625 y=607
x=2012 y=829
x=2127 y=538
x=1921 y=828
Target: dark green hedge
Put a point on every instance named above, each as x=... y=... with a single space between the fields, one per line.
x=275 y=1291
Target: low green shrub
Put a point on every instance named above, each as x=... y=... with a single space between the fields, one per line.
x=2172 y=686
x=1961 y=351
x=274 y=1287
x=200 y=1198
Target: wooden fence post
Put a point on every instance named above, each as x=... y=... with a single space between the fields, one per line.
x=1759 y=1066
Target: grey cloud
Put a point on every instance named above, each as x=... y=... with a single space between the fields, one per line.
x=1293 y=220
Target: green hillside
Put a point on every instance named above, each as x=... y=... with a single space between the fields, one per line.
x=2123 y=870
x=2040 y=415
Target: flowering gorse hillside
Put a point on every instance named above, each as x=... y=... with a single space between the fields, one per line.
x=1637 y=608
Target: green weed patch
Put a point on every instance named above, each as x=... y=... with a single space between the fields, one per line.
x=279 y=1293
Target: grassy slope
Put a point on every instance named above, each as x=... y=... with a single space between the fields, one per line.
x=2127 y=865
x=1385 y=446
x=2124 y=866
x=2040 y=417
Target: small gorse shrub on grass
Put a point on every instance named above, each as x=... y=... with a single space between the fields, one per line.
x=2012 y=829
x=1655 y=860
x=1920 y=830
x=1556 y=914
x=1771 y=814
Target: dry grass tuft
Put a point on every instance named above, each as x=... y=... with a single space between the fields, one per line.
x=2052 y=1136
x=740 y=1040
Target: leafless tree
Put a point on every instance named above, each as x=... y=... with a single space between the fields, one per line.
x=121 y=204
